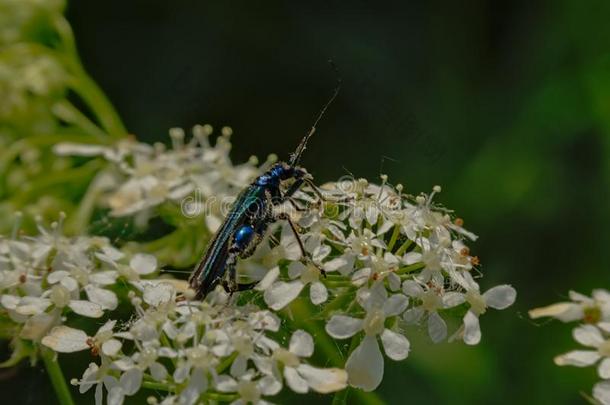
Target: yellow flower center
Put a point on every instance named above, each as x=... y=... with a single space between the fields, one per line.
x=476 y=301
x=285 y=357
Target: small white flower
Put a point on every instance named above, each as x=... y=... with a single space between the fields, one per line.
x=499 y=297
x=432 y=300
x=249 y=389
x=300 y=377
x=590 y=336
x=365 y=363
x=593 y=309
x=281 y=293
x=601 y=392
x=64 y=339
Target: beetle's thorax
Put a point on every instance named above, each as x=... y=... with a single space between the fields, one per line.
x=279 y=172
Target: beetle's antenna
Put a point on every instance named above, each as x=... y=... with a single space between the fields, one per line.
x=296 y=156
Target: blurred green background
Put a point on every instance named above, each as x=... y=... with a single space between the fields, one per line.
x=506 y=104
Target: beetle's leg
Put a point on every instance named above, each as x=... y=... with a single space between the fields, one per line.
x=230 y=282
x=284 y=216
x=321 y=196
x=295 y=205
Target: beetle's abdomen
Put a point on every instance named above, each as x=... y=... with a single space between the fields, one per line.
x=243 y=236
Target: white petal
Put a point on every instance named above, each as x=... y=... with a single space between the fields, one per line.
x=64 y=339
x=224 y=383
x=396 y=346
x=604 y=369
x=111 y=347
x=131 y=380
x=437 y=328
x=107 y=277
x=588 y=335
x=500 y=297
x=57 y=276
x=472 y=330
x=99 y=394
x=320 y=252
x=361 y=276
x=301 y=343
x=601 y=392
x=239 y=366
x=343 y=327
x=412 y=258
x=395 y=305
x=143 y=263
x=394 y=281
x=37 y=326
x=88 y=379
x=336 y=264
x=281 y=294
x=372 y=298
x=295 y=381
x=412 y=288
x=9 y=301
x=69 y=283
x=86 y=308
x=197 y=384
x=107 y=327
x=317 y=293
x=268 y=279
x=453 y=299
x=564 y=311
x=116 y=396
x=78 y=149
x=158 y=294
x=292 y=250
x=413 y=315
x=32 y=305
x=269 y=385
x=323 y=380
x=158 y=371
x=578 y=358
x=295 y=269
x=105 y=298
x=365 y=365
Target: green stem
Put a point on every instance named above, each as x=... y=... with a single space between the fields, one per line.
x=340 y=398
x=57 y=377
x=410 y=268
x=394 y=238
x=152 y=385
x=401 y=250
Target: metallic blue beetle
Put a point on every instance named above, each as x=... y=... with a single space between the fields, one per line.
x=249 y=218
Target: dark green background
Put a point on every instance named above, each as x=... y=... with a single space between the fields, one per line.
x=506 y=104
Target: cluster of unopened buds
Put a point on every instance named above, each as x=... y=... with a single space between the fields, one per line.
x=593 y=332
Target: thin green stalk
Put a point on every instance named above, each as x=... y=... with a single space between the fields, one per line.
x=394 y=238
x=340 y=398
x=401 y=250
x=156 y=386
x=57 y=377
x=410 y=268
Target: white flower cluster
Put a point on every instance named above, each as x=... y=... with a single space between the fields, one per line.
x=378 y=263
x=152 y=175
x=45 y=277
x=594 y=332
x=394 y=259
x=195 y=350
